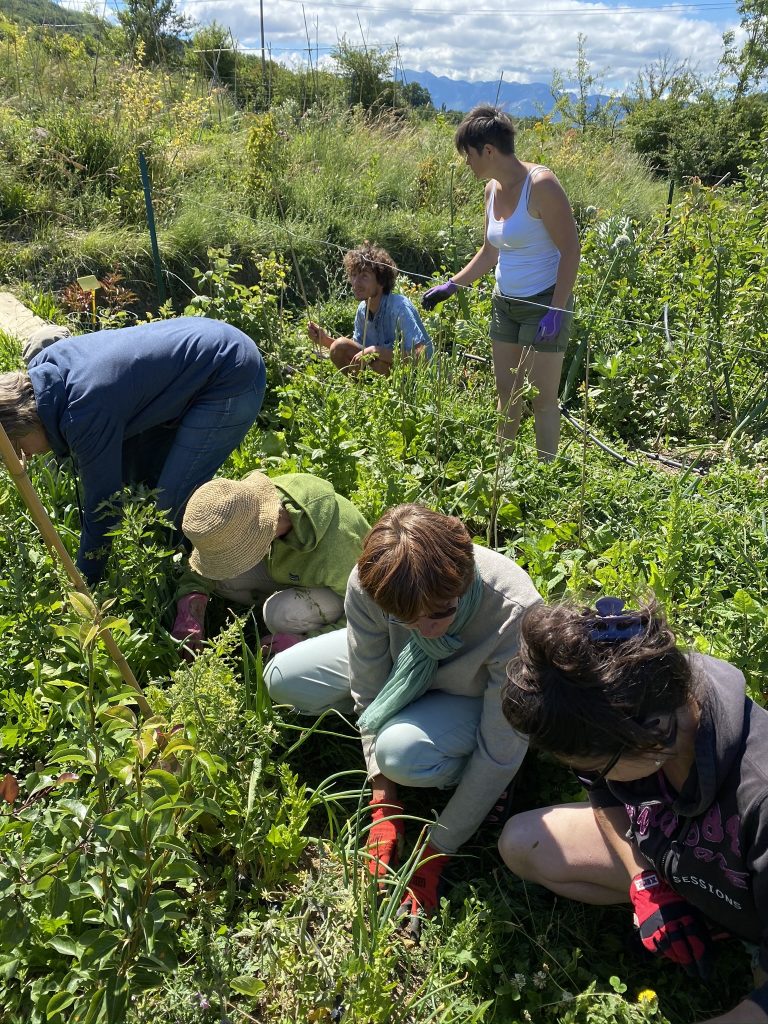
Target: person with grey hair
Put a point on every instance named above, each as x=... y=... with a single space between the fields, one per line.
x=162 y=404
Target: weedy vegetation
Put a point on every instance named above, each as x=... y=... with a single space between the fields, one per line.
x=202 y=865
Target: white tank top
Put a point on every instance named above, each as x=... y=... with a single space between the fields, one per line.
x=528 y=258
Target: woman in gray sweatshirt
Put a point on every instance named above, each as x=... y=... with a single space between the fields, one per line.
x=432 y=621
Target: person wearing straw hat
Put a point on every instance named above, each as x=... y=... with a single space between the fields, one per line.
x=288 y=541
x=161 y=404
x=383 y=318
x=432 y=620
x=532 y=242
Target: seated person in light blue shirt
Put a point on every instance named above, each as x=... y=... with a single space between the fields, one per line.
x=382 y=320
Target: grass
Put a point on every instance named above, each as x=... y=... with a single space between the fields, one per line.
x=339 y=178
x=273 y=919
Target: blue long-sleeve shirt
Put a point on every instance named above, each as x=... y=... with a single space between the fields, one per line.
x=396 y=319
x=97 y=390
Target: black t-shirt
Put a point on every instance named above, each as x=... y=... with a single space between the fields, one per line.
x=710 y=841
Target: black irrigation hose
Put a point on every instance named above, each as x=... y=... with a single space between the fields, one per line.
x=663 y=459
x=596 y=440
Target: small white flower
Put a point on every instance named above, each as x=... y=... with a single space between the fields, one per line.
x=621 y=242
x=520 y=980
x=540 y=979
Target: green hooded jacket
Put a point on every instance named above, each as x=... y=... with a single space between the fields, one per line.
x=321 y=548
x=325 y=539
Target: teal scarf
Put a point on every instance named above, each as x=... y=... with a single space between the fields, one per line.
x=417 y=663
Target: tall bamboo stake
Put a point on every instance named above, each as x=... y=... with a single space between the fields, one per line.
x=56 y=546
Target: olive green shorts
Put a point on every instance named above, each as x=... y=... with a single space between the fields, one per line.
x=517 y=320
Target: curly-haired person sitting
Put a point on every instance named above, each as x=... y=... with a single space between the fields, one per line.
x=383 y=318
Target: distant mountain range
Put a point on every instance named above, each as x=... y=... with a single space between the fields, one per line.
x=517 y=99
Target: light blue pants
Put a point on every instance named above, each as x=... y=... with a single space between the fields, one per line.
x=428 y=743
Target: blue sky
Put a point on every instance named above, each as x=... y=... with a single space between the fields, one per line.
x=526 y=39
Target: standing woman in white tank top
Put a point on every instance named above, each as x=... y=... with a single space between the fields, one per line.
x=532 y=242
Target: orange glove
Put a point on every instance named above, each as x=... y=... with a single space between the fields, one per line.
x=422 y=896
x=385 y=840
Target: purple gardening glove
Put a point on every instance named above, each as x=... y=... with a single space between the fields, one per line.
x=549 y=326
x=439 y=293
x=189 y=624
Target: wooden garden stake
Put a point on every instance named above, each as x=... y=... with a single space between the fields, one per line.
x=56 y=546
x=91 y=284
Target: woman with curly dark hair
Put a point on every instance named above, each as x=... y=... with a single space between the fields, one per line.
x=672 y=753
x=383 y=319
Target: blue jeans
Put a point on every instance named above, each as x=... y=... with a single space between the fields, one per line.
x=177 y=458
x=208 y=432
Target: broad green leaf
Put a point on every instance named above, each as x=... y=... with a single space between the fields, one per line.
x=83 y=605
x=246 y=986
x=58 y=1003
x=165 y=780
x=63 y=944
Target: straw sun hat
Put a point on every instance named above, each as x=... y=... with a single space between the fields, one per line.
x=231 y=524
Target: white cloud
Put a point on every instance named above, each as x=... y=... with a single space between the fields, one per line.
x=439 y=36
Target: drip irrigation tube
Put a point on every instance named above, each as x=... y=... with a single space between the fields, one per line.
x=655 y=456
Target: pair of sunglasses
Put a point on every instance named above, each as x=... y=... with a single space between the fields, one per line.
x=436 y=616
x=591 y=779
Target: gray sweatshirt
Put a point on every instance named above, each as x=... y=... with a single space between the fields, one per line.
x=477 y=670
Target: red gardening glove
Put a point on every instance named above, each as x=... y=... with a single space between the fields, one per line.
x=384 y=845
x=189 y=624
x=422 y=896
x=670 y=926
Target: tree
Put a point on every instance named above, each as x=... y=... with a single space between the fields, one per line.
x=750 y=63
x=416 y=95
x=365 y=70
x=663 y=78
x=707 y=136
x=214 y=52
x=158 y=26
x=589 y=108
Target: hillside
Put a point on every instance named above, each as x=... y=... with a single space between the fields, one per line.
x=45 y=12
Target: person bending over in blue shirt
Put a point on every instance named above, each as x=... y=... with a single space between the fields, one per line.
x=162 y=404
x=382 y=318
